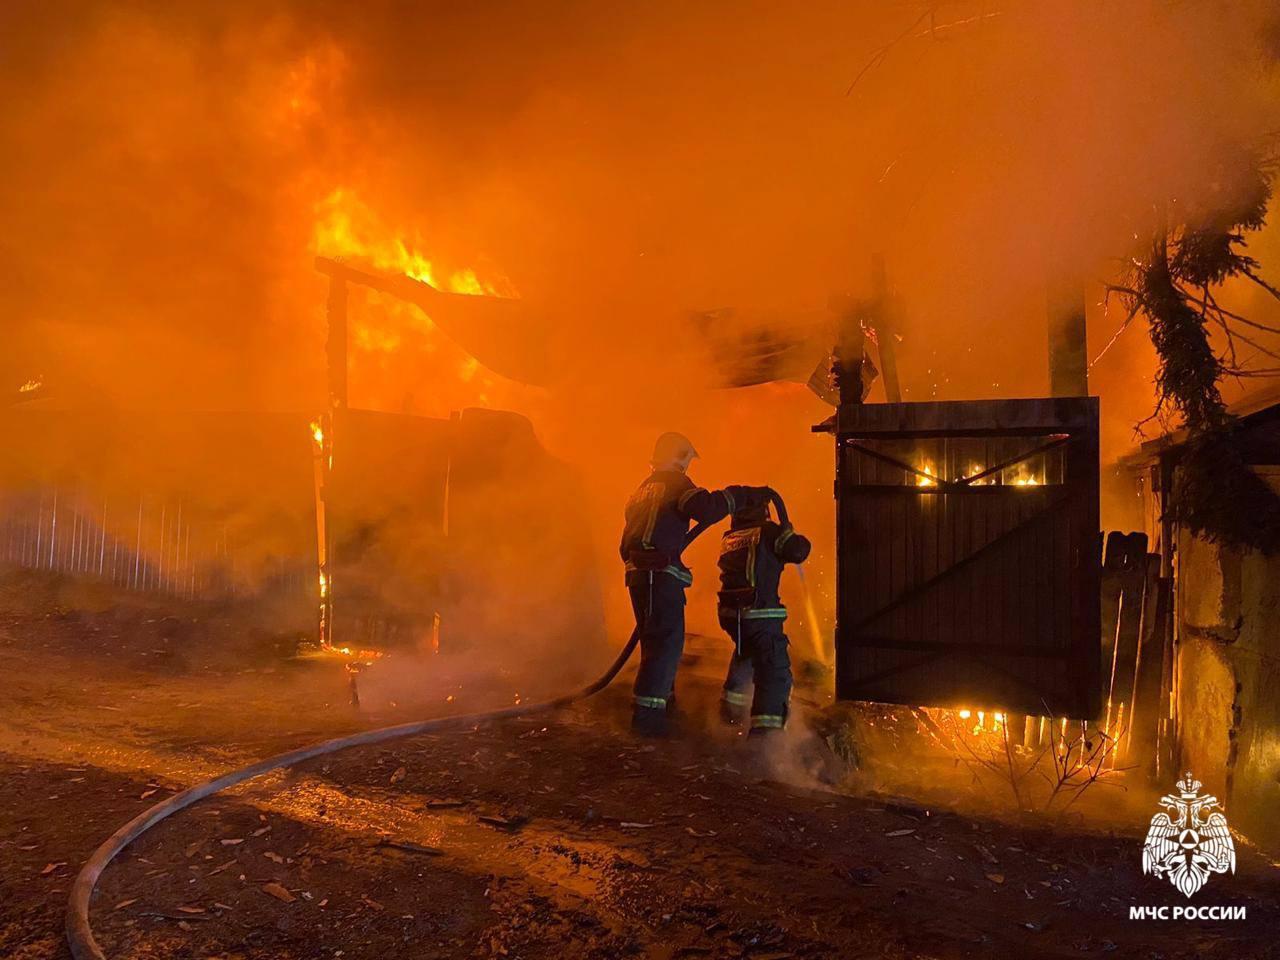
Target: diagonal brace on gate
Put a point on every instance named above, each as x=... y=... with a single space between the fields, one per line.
x=938 y=485
x=926 y=585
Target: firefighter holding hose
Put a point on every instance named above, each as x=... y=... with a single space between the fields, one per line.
x=753 y=552
x=658 y=515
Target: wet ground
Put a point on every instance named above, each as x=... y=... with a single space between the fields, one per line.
x=552 y=836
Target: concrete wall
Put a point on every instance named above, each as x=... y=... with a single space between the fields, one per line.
x=1228 y=680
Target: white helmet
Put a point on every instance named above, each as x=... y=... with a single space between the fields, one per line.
x=673 y=449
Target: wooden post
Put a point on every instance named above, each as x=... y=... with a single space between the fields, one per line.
x=850 y=346
x=336 y=355
x=1142 y=734
x=1130 y=572
x=1068 y=356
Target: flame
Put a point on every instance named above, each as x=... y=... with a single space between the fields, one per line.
x=387 y=332
x=975 y=469
x=347 y=227
x=1021 y=477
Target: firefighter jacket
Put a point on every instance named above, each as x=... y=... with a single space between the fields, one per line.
x=658 y=515
x=751 y=561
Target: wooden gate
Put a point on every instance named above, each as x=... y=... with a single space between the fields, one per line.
x=968 y=555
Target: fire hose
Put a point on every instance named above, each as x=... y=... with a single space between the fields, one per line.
x=80 y=933
x=78 y=929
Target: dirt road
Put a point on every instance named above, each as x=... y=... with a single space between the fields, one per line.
x=555 y=836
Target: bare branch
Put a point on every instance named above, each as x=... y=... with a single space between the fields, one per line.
x=935 y=29
x=1250 y=341
x=1256 y=372
x=1218 y=308
x=1124 y=325
x=1249 y=272
x=877 y=58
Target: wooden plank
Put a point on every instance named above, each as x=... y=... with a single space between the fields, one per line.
x=929 y=511
x=1146 y=695
x=967 y=418
x=900 y=557
x=1133 y=583
x=1167 y=735
x=1080 y=553
x=1111 y=585
x=945 y=555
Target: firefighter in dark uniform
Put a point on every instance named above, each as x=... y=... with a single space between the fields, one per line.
x=658 y=515
x=753 y=552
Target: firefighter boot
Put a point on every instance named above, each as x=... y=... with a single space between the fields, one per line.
x=733 y=707
x=649 y=721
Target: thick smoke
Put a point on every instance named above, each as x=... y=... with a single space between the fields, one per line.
x=164 y=168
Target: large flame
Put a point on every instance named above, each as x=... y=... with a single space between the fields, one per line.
x=347 y=227
x=389 y=333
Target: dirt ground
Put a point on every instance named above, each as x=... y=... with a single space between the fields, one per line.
x=553 y=836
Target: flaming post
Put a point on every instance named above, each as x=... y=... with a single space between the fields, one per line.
x=849 y=368
x=322 y=433
x=853 y=371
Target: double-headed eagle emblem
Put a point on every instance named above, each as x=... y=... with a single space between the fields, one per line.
x=1193 y=844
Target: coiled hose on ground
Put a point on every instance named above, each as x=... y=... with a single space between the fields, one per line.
x=80 y=933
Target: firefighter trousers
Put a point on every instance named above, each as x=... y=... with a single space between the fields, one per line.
x=762 y=657
x=659 y=610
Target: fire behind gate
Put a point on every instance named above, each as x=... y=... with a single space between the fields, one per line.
x=968 y=550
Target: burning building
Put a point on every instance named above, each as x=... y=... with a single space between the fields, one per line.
x=371 y=533
x=362 y=320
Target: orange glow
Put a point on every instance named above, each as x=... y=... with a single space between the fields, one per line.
x=393 y=341
x=346 y=227
x=975 y=469
x=968 y=721
x=1016 y=476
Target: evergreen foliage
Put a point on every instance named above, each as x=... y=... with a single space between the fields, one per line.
x=1215 y=493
